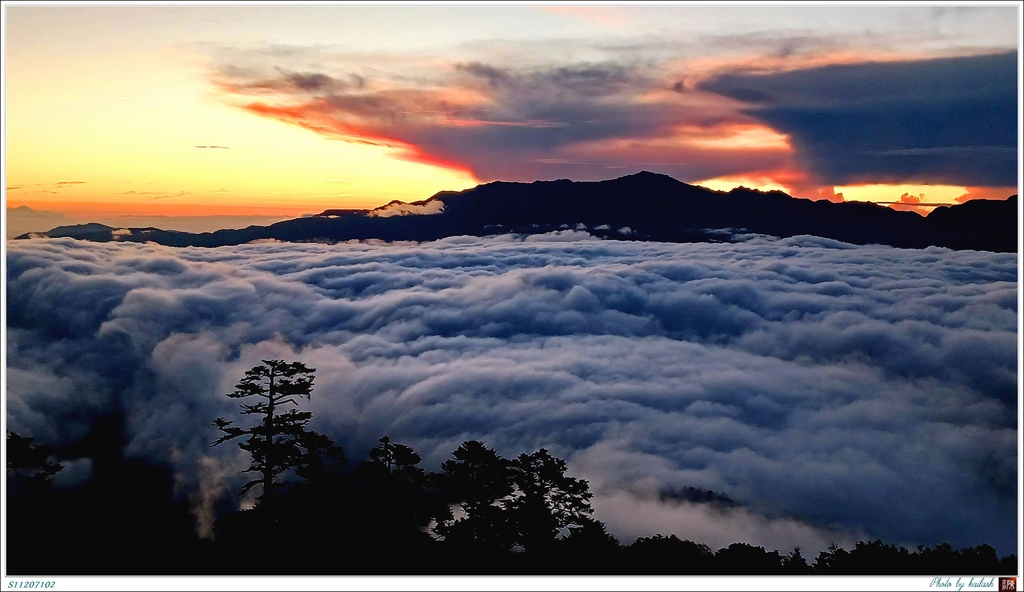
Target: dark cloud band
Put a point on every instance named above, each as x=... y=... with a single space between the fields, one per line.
x=941 y=121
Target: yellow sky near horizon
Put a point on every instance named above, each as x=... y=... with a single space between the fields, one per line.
x=104 y=121
x=72 y=151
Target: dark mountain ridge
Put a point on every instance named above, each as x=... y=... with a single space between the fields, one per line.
x=642 y=206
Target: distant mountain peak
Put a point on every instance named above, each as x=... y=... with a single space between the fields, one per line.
x=645 y=174
x=87 y=227
x=79 y=230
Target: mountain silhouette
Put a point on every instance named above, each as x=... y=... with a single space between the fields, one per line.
x=642 y=206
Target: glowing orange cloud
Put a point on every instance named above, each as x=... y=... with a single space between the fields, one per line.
x=690 y=72
x=754 y=181
x=735 y=136
x=789 y=179
x=585 y=121
x=316 y=117
x=912 y=203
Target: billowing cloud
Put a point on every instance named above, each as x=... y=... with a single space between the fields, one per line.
x=940 y=121
x=580 y=119
x=397 y=208
x=913 y=203
x=835 y=392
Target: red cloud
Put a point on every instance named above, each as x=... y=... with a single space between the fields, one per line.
x=909 y=203
x=318 y=118
x=583 y=120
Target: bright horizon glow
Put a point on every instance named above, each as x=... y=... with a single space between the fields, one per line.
x=893 y=193
x=928 y=196
x=729 y=183
x=175 y=111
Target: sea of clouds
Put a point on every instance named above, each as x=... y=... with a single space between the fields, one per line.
x=838 y=393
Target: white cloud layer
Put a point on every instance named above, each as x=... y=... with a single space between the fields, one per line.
x=837 y=392
x=397 y=208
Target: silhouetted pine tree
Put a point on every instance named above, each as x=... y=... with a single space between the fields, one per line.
x=397 y=499
x=281 y=446
x=478 y=478
x=280 y=442
x=545 y=500
x=667 y=555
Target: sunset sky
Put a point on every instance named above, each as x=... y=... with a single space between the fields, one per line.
x=274 y=110
x=821 y=392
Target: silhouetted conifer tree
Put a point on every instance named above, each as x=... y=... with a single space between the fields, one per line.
x=545 y=500
x=280 y=441
x=524 y=503
x=478 y=479
x=399 y=497
x=795 y=563
x=660 y=554
x=744 y=558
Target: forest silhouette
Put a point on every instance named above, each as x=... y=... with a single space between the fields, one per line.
x=316 y=513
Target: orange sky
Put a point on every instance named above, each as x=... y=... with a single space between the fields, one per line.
x=186 y=111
